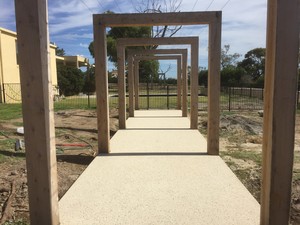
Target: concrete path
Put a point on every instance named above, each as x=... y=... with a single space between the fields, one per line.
x=158 y=173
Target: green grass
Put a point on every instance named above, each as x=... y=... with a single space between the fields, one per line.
x=13 y=111
x=10 y=111
x=16 y=222
x=244 y=155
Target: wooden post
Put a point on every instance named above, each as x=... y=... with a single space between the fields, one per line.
x=148 y=52
x=194 y=43
x=213 y=19
x=151 y=52
x=131 y=85
x=37 y=106
x=101 y=88
x=279 y=110
x=179 y=83
x=121 y=86
x=214 y=85
x=184 y=85
x=194 y=84
x=136 y=83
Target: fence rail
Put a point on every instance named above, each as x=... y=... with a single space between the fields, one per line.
x=154 y=96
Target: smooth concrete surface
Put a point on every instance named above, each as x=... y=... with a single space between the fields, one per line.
x=158 y=175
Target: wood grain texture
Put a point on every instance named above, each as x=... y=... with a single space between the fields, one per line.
x=179 y=83
x=101 y=89
x=37 y=108
x=151 y=19
x=130 y=85
x=121 y=86
x=214 y=86
x=279 y=125
x=184 y=86
x=136 y=84
x=194 y=83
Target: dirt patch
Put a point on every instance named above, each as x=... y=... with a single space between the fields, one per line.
x=240 y=144
x=241 y=149
x=73 y=127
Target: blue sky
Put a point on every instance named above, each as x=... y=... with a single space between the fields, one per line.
x=70 y=23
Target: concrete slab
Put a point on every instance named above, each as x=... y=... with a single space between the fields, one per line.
x=158 y=176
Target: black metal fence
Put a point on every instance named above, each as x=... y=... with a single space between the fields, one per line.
x=153 y=96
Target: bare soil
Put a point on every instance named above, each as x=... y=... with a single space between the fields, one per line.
x=241 y=149
x=240 y=144
x=72 y=127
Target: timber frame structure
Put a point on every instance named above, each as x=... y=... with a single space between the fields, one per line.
x=162 y=57
x=212 y=19
x=133 y=70
x=279 y=103
x=122 y=43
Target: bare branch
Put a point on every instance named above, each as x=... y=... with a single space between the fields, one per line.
x=160 y=6
x=168 y=69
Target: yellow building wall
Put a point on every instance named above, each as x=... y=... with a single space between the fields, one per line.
x=9 y=68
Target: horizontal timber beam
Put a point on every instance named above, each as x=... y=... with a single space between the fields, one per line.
x=157 y=41
x=157 y=57
x=156 y=51
x=151 y=19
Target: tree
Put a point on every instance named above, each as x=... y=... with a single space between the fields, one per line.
x=70 y=80
x=254 y=63
x=231 y=76
x=160 y=6
x=60 y=51
x=228 y=59
x=203 y=77
x=149 y=68
x=89 y=85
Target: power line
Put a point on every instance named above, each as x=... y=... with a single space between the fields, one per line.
x=117 y=5
x=209 y=5
x=132 y=4
x=194 y=5
x=100 y=4
x=87 y=6
x=225 y=4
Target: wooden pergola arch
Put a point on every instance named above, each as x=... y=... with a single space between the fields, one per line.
x=133 y=67
x=161 y=57
x=212 y=19
x=37 y=103
x=122 y=43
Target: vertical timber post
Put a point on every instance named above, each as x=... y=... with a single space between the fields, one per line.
x=194 y=84
x=121 y=86
x=136 y=83
x=179 y=83
x=131 y=85
x=168 y=95
x=148 y=93
x=37 y=106
x=214 y=85
x=229 y=99
x=184 y=85
x=101 y=87
x=279 y=125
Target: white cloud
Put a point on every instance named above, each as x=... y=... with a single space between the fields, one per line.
x=244 y=22
x=84 y=45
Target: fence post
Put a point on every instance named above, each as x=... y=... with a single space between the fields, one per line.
x=168 y=106
x=297 y=97
x=250 y=92
x=89 y=104
x=148 y=95
x=229 y=99
x=4 y=100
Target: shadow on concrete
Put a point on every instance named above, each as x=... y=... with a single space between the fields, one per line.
x=154 y=154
